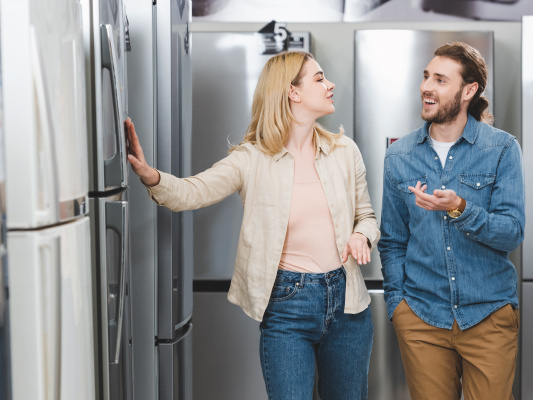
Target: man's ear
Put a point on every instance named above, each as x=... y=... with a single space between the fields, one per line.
x=470 y=90
x=294 y=94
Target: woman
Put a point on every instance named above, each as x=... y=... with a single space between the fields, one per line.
x=307 y=218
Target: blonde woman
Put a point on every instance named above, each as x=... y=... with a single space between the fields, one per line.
x=307 y=223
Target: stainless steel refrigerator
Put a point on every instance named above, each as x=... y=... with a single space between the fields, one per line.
x=105 y=40
x=526 y=304
x=5 y=359
x=50 y=287
x=160 y=104
x=226 y=67
x=389 y=65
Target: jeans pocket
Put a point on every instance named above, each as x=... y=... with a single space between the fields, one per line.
x=282 y=291
x=515 y=317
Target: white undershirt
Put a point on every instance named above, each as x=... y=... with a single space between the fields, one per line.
x=441 y=148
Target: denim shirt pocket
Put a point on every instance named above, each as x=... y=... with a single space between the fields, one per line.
x=416 y=213
x=476 y=188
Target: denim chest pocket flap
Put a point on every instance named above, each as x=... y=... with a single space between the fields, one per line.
x=416 y=213
x=403 y=186
x=477 y=181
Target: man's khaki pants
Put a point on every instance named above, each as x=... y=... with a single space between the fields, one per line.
x=436 y=359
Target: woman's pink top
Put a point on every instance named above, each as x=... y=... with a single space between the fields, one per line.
x=310 y=240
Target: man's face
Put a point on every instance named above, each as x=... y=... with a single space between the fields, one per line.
x=441 y=91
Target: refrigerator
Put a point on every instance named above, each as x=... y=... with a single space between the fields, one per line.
x=160 y=107
x=105 y=44
x=5 y=369
x=495 y=10
x=226 y=67
x=46 y=191
x=375 y=128
x=526 y=303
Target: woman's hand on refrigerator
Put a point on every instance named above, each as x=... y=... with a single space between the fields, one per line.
x=358 y=247
x=148 y=175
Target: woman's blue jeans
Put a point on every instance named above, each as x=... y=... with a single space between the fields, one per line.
x=305 y=325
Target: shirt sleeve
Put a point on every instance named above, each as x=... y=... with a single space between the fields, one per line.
x=208 y=187
x=365 y=218
x=392 y=247
x=501 y=227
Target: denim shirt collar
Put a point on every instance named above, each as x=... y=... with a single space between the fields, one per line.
x=469 y=133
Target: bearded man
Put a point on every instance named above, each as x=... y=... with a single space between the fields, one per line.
x=453 y=209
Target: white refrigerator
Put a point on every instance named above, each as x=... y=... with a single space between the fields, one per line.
x=50 y=288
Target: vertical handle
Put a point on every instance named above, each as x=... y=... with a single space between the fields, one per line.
x=49 y=253
x=117 y=220
x=115 y=170
x=50 y=208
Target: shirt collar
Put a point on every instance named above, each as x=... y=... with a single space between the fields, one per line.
x=469 y=133
x=322 y=145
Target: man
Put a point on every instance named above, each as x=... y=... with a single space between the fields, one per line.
x=453 y=209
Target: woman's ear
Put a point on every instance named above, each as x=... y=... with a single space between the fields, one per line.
x=294 y=94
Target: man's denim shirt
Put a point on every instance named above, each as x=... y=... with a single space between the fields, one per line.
x=448 y=268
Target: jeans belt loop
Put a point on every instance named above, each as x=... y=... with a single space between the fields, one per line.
x=302 y=280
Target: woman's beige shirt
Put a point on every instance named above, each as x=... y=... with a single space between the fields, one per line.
x=265 y=183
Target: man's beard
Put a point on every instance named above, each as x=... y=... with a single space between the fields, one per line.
x=448 y=112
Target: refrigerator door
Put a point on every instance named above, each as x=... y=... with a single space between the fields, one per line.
x=51 y=297
x=527 y=141
x=104 y=40
x=174 y=256
x=110 y=245
x=224 y=64
x=43 y=80
x=175 y=367
x=409 y=51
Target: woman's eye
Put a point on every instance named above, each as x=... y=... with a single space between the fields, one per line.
x=321 y=79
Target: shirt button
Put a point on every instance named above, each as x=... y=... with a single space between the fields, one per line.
x=443 y=187
x=448 y=248
x=453 y=278
x=451 y=157
x=478 y=184
x=467 y=233
x=436 y=158
x=445 y=217
x=455 y=306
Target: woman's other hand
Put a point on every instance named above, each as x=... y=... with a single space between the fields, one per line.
x=357 y=246
x=148 y=175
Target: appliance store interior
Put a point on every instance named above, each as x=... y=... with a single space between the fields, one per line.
x=108 y=295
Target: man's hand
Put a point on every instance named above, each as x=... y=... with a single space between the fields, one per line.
x=440 y=200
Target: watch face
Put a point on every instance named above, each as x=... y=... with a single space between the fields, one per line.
x=454 y=213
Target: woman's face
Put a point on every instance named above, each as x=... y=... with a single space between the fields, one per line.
x=315 y=91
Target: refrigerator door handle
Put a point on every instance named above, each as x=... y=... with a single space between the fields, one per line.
x=118 y=221
x=50 y=261
x=49 y=209
x=115 y=171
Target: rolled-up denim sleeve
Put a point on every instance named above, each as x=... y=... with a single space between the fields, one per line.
x=393 y=243
x=501 y=227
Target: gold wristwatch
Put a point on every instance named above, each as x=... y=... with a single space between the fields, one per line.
x=456 y=212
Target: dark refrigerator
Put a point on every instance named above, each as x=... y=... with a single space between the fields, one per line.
x=105 y=43
x=160 y=107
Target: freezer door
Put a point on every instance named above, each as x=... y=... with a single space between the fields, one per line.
x=51 y=295
x=175 y=366
x=43 y=75
x=526 y=341
x=105 y=64
x=174 y=230
x=110 y=236
x=527 y=141
x=239 y=59
x=410 y=51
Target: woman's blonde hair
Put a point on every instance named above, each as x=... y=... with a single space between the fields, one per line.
x=271 y=112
